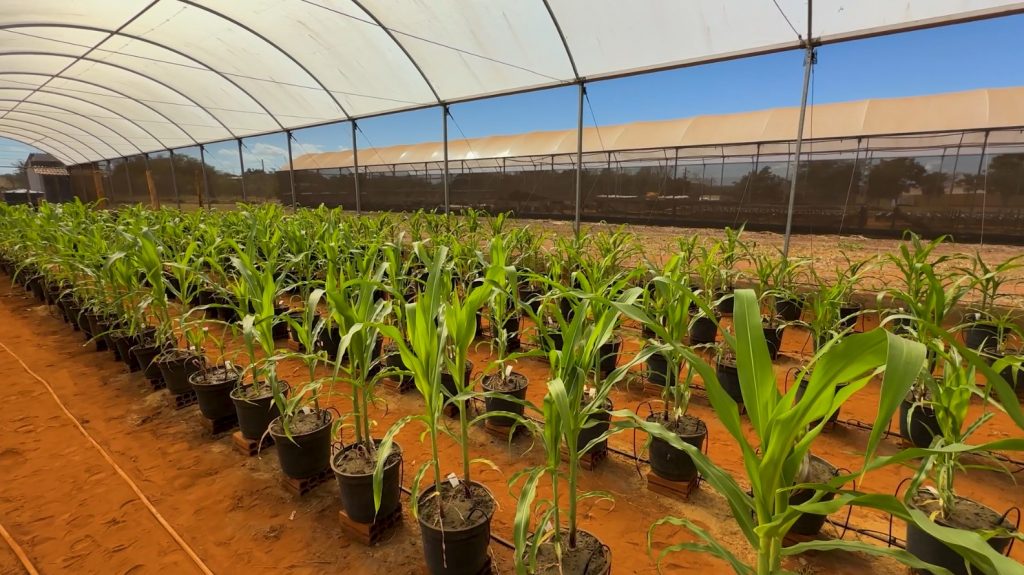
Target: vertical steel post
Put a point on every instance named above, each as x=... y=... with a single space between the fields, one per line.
x=444 y=129
x=956 y=162
x=241 y=170
x=204 y=196
x=808 y=64
x=174 y=182
x=984 y=198
x=127 y=176
x=579 y=157
x=291 y=170
x=355 y=169
x=154 y=198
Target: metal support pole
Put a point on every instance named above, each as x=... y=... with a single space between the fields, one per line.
x=97 y=182
x=174 y=182
x=355 y=169
x=956 y=162
x=808 y=64
x=984 y=198
x=128 y=177
x=444 y=129
x=204 y=196
x=241 y=169
x=291 y=169
x=154 y=198
x=579 y=157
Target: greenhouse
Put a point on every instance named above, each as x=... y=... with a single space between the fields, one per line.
x=268 y=308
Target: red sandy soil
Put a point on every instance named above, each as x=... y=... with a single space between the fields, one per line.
x=72 y=514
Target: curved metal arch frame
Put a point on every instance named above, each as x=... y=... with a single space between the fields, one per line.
x=19 y=135
x=43 y=90
x=36 y=126
x=76 y=115
x=84 y=132
x=273 y=45
x=161 y=83
x=54 y=90
x=565 y=42
x=401 y=47
x=116 y=33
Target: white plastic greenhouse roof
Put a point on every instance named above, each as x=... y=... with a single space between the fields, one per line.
x=87 y=80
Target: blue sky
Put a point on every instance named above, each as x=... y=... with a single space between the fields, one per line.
x=980 y=54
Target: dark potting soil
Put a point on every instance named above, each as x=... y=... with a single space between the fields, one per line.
x=215 y=375
x=966 y=514
x=460 y=511
x=685 y=426
x=359 y=460
x=302 y=423
x=513 y=382
x=176 y=354
x=589 y=557
x=253 y=392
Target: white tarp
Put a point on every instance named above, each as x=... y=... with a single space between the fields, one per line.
x=94 y=79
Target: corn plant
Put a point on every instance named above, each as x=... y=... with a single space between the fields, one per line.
x=776 y=461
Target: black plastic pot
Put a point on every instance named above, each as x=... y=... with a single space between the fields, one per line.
x=74 y=312
x=726 y=305
x=393 y=360
x=512 y=327
x=145 y=355
x=531 y=296
x=454 y=551
x=588 y=434
x=924 y=425
x=703 y=331
x=1016 y=380
x=551 y=340
x=124 y=345
x=293 y=334
x=729 y=377
x=492 y=404
x=609 y=354
x=176 y=367
x=38 y=289
x=800 y=393
x=981 y=335
x=810 y=523
x=674 y=464
x=773 y=337
x=357 y=490
x=448 y=386
x=213 y=391
x=328 y=340
x=96 y=326
x=930 y=550
x=658 y=370
x=255 y=415
x=848 y=319
x=305 y=454
x=789 y=309
x=280 y=329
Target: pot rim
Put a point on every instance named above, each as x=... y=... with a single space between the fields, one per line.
x=394 y=445
x=270 y=427
x=419 y=516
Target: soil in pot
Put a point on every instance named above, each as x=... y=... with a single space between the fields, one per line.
x=353 y=468
x=456 y=544
x=923 y=425
x=255 y=407
x=967 y=515
x=176 y=366
x=588 y=557
x=307 y=451
x=609 y=353
x=213 y=387
x=703 y=331
x=448 y=386
x=821 y=472
x=668 y=462
x=729 y=378
x=514 y=385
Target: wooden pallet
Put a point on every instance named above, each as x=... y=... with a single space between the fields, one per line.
x=250 y=447
x=487 y=569
x=300 y=487
x=370 y=534
x=181 y=401
x=217 y=427
x=590 y=460
x=680 y=490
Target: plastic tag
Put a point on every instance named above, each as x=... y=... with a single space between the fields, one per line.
x=591 y=392
x=228 y=365
x=306 y=409
x=453 y=479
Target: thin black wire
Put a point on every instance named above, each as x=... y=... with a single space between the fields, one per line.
x=786 y=18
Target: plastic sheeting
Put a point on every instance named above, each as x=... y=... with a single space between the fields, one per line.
x=94 y=79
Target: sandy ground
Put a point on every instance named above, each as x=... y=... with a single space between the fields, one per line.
x=69 y=511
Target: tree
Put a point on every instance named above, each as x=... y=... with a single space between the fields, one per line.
x=933 y=184
x=894 y=176
x=1006 y=174
x=764 y=186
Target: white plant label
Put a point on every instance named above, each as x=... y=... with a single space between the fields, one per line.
x=306 y=409
x=228 y=365
x=591 y=392
x=453 y=479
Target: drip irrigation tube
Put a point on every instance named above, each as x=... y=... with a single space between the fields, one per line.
x=18 y=551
